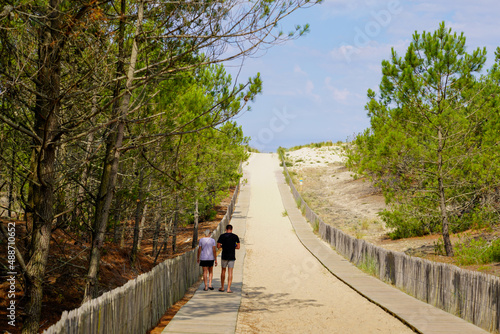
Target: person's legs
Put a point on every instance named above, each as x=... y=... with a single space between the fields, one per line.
x=229 y=278
x=210 y=277
x=222 y=278
x=205 y=276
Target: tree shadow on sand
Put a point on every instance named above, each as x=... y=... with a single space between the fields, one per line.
x=272 y=302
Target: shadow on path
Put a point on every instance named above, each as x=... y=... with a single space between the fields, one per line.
x=272 y=302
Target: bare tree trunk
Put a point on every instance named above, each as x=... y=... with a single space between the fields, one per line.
x=29 y=210
x=118 y=224
x=61 y=195
x=122 y=234
x=174 y=226
x=168 y=232
x=85 y=174
x=156 y=234
x=143 y=216
x=195 y=225
x=444 y=220
x=141 y=226
x=138 y=217
x=11 y=182
x=165 y=241
x=442 y=198
x=110 y=170
x=46 y=127
x=105 y=196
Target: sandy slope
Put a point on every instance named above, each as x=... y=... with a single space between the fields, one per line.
x=285 y=289
x=344 y=202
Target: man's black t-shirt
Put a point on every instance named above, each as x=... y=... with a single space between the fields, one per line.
x=228 y=241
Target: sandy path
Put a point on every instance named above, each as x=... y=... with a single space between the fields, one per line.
x=285 y=289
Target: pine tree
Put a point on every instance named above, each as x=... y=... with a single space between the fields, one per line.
x=431 y=145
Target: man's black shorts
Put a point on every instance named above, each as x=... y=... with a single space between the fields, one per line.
x=206 y=263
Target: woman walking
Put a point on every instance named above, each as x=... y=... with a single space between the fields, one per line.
x=207 y=255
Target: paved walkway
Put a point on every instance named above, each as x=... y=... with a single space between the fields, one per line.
x=217 y=312
x=420 y=316
x=213 y=311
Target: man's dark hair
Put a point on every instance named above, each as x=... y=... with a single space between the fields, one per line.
x=229 y=227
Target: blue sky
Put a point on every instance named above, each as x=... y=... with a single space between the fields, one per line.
x=314 y=88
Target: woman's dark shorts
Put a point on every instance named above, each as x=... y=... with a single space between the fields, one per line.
x=206 y=263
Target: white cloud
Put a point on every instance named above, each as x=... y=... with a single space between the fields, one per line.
x=298 y=70
x=339 y=95
x=309 y=91
x=356 y=8
x=340 y=7
x=309 y=87
x=373 y=52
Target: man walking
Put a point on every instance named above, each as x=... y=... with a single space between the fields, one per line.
x=229 y=242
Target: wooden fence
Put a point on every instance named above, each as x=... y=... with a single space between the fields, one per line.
x=138 y=305
x=471 y=295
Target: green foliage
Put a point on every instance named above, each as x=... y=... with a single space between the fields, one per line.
x=369 y=265
x=298 y=202
x=252 y=150
x=287 y=163
x=404 y=225
x=432 y=146
x=281 y=152
x=469 y=251
x=439 y=247
x=313 y=145
x=209 y=214
x=282 y=156
x=199 y=161
x=316 y=226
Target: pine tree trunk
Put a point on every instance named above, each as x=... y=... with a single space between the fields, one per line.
x=122 y=234
x=61 y=195
x=195 y=225
x=30 y=207
x=110 y=170
x=143 y=216
x=118 y=225
x=104 y=198
x=11 y=182
x=138 y=216
x=156 y=234
x=442 y=198
x=174 y=227
x=141 y=226
x=168 y=229
x=164 y=243
x=43 y=167
x=84 y=179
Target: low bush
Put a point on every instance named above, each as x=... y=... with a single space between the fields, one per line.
x=470 y=251
x=404 y=227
